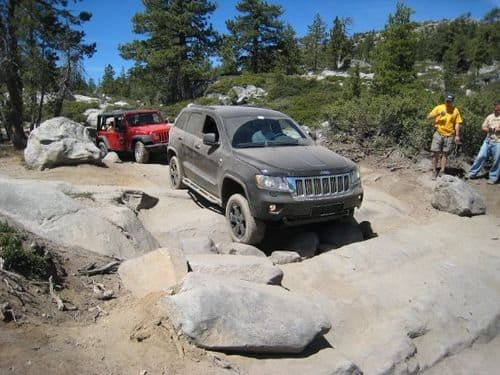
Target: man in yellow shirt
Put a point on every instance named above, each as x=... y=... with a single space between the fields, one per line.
x=447 y=122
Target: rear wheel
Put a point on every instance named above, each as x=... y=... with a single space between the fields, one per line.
x=104 y=149
x=244 y=227
x=141 y=154
x=176 y=174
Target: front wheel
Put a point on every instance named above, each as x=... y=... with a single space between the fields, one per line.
x=140 y=153
x=104 y=149
x=244 y=227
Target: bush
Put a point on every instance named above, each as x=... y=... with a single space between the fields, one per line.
x=27 y=263
x=74 y=110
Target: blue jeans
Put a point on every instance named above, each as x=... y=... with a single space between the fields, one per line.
x=487 y=149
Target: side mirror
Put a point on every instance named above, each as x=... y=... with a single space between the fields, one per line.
x=210 y=139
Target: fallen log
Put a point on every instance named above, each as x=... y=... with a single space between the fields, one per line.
x=111 y=267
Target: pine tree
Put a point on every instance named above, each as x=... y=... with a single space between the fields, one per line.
x=395 y=54
x=178 y=44
x=339 y=46
x=289 y=59
x=108 y=80
x=47 y=29
x=314 y=44
x=257 y=34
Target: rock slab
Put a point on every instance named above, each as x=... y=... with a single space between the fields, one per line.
x=156 y=271
x=60 y=141
x=242 y=267
x=453 y=195
x=244 y=317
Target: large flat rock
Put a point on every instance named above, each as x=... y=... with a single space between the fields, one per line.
x=156 y=271
x=235 y=315
x=242 y=267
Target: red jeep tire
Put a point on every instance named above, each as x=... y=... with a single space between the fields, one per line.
x=141 y=154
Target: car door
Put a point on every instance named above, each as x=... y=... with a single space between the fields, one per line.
x=208 y=157
x=114 y=134
x=189 y=160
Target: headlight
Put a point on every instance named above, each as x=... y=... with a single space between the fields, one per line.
x=273 y=183
x=355 y=177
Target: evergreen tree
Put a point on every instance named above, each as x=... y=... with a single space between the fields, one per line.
x=339 y=45
x=355 y=82
x=314 y=44
x=228 y=54
x=33 y=31
x=395 y=54
x=108 y=80
x=289 y=55
x=177 y=47
x=257 y=34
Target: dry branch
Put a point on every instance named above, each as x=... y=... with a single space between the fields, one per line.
x=108 y=268
x=60 y=304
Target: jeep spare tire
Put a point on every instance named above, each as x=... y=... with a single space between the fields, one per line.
x=244 y=227
x=141 y=154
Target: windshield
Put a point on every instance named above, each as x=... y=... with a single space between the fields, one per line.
x=138 y=119
x=264 y=132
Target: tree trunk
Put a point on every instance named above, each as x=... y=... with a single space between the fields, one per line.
x=14 y=115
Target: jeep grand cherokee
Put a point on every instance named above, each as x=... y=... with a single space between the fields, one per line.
x=260 y=167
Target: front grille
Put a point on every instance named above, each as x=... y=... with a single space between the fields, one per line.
x=320 y=186
x=163 y=137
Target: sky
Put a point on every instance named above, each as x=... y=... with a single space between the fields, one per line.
x=111 y=23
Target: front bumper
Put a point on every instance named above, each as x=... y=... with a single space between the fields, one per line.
x=157 y=147
x=293 y=211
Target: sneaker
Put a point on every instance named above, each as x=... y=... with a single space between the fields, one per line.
x=472 y=177
x=491 y=182
x=435 y=174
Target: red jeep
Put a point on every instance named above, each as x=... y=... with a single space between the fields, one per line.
x=139 y=131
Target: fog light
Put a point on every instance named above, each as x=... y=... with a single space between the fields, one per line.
x=273 y=208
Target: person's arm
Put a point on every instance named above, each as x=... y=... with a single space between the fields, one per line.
x=458 y=127
x=486 y=125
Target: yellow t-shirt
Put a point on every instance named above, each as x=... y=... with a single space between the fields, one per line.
x=445 y=124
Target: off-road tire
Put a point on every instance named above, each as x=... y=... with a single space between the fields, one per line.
x=141 y=154
x=104 y=149
x=176 y=173
x=243 y=226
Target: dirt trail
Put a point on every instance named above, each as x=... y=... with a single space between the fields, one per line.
x=394 y=201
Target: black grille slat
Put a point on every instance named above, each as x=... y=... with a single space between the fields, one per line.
x=309 y=187
x=299 y=187
x=326 y=185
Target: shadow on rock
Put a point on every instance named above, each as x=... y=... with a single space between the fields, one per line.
x=318 y=344
x=203 y=203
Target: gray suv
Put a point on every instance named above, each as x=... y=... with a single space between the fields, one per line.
x=261 y=168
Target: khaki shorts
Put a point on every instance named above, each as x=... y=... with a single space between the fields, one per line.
x=441 y=143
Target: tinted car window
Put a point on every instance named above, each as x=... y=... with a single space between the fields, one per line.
x=181 y=121
x=195 y=123
x=263 y=132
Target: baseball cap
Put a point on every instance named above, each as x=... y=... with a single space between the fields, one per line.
x=449 y=98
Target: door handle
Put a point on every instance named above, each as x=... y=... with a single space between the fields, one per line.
x=180 y=138
x=197 y=147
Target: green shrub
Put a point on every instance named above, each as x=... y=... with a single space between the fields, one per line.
x=17 y=259
x=74 y=110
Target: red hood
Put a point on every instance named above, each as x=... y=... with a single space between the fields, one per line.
x=147 y=129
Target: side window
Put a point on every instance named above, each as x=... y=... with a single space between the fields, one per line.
x=195 y=123
x=181 y=121
x=210 y=126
